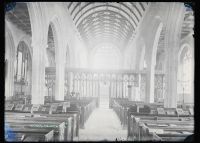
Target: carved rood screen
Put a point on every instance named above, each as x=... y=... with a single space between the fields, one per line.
x=85 y=83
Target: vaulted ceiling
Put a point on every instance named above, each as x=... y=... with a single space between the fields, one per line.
x=107 y=22
x=102 y=22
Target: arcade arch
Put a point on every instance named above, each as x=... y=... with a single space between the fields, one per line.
x=185 y=75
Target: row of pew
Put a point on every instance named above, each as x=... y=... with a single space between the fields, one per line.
x=153 y=122
x=84 y=106
x=55 y=121
x=162 y=129
x=122 y=107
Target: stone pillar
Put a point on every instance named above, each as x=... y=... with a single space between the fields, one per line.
x=151 y=59
x=9 y=79
x=39 y=44
x=60 y=75
x=172 y=44
x=193 y=70
x=38 y=72
x=9 y=72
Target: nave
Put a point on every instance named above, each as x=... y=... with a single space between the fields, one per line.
x=103 y=125
x=99 y=71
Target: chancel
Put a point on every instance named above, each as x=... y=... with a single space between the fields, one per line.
x=99 y=71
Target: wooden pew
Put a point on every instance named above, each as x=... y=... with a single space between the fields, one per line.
x=15 y=134
x=75 y=119
x=167 y=130
x=122 y=107
x=139 y=132
x=148 y=112
x=58 y=110
x=83 y=106
x=23 y=123
x=85 y=109
x=45 y=110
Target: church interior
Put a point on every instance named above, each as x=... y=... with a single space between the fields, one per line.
x=99 y=71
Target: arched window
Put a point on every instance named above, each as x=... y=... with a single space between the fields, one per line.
x=21 y=63
x=185 y=73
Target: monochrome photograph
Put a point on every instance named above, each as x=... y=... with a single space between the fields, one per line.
x=99 y=71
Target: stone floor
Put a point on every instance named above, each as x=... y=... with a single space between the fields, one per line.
x=103 y=124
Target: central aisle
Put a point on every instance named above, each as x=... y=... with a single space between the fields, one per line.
x=103 y=124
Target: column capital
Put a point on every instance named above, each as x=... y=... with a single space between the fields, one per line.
x=39 y=43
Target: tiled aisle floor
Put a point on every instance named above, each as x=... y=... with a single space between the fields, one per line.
x=103 y=124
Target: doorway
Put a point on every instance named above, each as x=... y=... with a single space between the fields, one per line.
x=104 y=95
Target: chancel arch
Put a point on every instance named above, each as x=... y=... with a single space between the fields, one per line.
x=185 y=79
